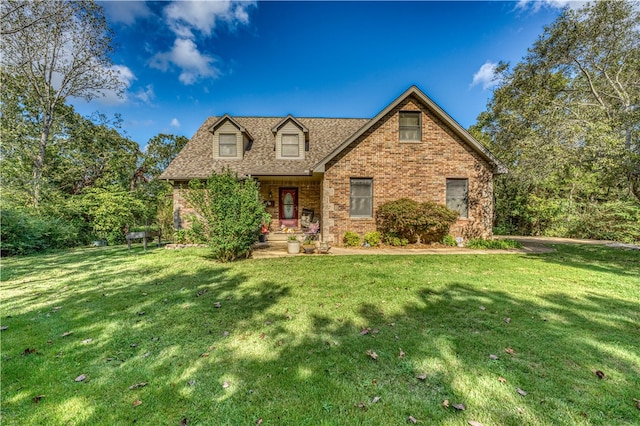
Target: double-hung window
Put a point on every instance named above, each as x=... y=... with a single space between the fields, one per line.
x=361 y=198
x=228 y=145
x=457 y=196
x=290 y=146
x=410 y=129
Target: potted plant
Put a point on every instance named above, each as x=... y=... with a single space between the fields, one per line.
x=264 y=228
x=309 y=246
x=293 y=245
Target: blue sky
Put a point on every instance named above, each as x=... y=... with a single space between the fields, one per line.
x=184 y=61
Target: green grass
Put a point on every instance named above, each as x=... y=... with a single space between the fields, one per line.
x=294 y=353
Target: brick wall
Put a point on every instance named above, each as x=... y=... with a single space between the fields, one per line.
x=413 y=170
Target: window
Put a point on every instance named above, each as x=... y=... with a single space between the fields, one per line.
x=228 y=146
x=290 y=146
x=410 y=129
x=457 y=196
x=361 y=198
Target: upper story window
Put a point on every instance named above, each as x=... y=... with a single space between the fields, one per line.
x=228 y=145
x=290 y=145
x=410 y=128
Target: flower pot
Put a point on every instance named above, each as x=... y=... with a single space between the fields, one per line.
x=293 y=247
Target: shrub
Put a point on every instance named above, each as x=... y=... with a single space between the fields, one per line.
x=351 y=239
x=481 y=243
x=415 y=222
x=23 y=232
x=615 y=221
x=229 y=214
x=373 y=238
x=394 y=240
x=449 y=240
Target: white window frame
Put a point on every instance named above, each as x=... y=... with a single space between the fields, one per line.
x=355 y=199
x=415 y=128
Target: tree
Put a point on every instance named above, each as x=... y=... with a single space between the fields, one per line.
x=229 y=213
x=63 y=53
x=161 y=150
x=566 y=120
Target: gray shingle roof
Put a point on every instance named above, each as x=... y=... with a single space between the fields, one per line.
x=196 y=158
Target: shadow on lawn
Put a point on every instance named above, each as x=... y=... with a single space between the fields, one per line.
x=164 y=329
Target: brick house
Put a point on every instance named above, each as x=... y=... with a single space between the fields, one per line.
x=340 y=169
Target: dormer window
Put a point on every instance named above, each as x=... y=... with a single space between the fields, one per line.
x=290 y=145
x=291 y=139
x=228 y=145
x=410 y=128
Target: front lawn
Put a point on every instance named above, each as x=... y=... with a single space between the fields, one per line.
x=516 y=339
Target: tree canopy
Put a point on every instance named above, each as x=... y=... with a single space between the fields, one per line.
x=566 y=121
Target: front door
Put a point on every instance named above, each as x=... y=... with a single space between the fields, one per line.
x=288 y=210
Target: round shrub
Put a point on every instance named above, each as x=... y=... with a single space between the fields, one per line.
x=372 y=238
x=351 y=239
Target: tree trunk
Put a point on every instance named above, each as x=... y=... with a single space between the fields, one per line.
x=38 y=163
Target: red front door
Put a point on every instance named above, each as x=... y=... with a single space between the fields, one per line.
x=288 y=209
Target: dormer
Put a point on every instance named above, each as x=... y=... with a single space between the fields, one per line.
x=230 y=139
x=292 y=139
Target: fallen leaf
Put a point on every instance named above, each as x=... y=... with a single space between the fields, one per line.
x=225 y=334
x=412 y=419
x=204 y=354
x=259 y=422
x=29 y=351
x=192 y=382
x=445 y=403
x=37 y=398
x=80 y=378
x=217 y=305
x=509 y=351
x=4 y=327
x=460 y=407
x=375 y=331
x=262 y=335
x=67 y=333
x=637 y=401
x=134 y=345
x=365 y=331
x=201 y=292
x=482 y=308
x=85 y=341
x=361 y=405
x=372 y=354
x=401 y=353
x=146 y=354
x=137 y=402
x=141 y=313
x=502 y=380
x=492 y=356
x=474 y=423
x=279 y=342
x=225 y=385
x=520 y=410
x=422 y=376
x=375 y=399
x=600 y=374
x=507 y=320
x=183 y=422
x=521 y=392
x=138 y=385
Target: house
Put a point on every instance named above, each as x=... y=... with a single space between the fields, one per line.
x=342 y=169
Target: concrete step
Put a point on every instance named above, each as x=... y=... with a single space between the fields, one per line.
x=283 y=236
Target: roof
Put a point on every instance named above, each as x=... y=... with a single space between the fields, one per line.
x=327 y=138
x=195 y=160
x=439 y=112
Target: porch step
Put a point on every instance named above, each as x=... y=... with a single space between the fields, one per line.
x=284 y=236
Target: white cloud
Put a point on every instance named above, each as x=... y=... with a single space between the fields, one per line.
x=146 y=94
x=486 y=76
x=186 y=19
x=126 y=77
x=185 y=55
x=536 y=5
x=175 y=123
x=125 y=12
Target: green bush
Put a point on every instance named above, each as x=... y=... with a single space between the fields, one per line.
x=449 y=240
x=415 y=222
x=230 y=212
x=351 y=239
x=481 y=243
x=373 y=238
x=24 y=232
x=393 y=240
x=615 y=221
